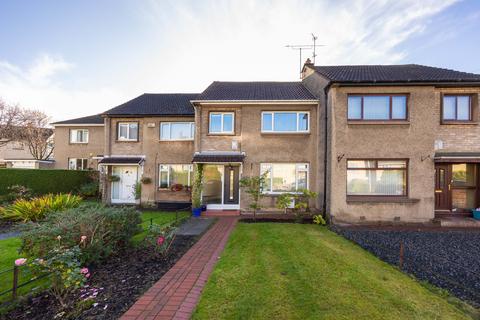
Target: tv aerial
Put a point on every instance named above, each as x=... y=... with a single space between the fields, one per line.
x=302 y=47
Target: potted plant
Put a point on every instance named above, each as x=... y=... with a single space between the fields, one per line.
x=137 y=192
x=113 y=178
x=197 y=190
x=476 y=213
x=146 y=180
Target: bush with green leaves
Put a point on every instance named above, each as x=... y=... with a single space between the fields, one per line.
x=89 y=190
x=284 y=201
x=302 y=199
x=37 y=209
x=18 y=192
x=159 y=238
x=101 y=230
x=64 y=267
x=318 y=219
x=253 y=186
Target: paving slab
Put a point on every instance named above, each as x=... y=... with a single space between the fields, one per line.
x=195 y=226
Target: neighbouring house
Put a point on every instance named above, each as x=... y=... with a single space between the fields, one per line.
x=16 y=154
x=403 y=141
x=79 y=143
x=150 y=138
x=378 y=143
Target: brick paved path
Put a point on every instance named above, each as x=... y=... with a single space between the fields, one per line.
x=176 y=294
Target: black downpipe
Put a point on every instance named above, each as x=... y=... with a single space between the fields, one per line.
x=325 y=157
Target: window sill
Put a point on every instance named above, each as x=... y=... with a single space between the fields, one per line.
x=70 y=143
x=380 y=199
x=220 y=134
x=474 y=123
x=127 y=141
x=176 y=140
x=285 y=133
x=378 y=122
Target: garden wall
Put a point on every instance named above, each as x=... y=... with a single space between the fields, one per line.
x=46 y=181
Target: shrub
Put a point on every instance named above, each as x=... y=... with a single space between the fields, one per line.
x=63 y=265
x=284 y=201
x=18 y=192
x=46 y=181
x=318 y=219
x=37 y=209
x=101 y=230
x=253 y=186
x=89 y=189
x=302 y=200
x=159 y=238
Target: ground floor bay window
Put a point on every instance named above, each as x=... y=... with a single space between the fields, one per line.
x=285 y=177
x=377 y=178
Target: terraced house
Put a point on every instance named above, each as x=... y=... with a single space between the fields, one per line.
x=377 y=143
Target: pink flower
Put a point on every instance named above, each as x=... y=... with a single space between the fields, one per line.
x=160 y=240
x=87 y=275
x=83 y=238
x=84 y=271
x=20 y=262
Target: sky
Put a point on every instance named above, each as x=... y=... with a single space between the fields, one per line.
x=76 y=58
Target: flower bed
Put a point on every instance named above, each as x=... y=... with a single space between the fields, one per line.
x=112 y=287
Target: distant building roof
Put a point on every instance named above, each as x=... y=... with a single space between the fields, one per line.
x=255 y=91
x=95 y=119
x=393 y=73
x=162 y=104
x=218 y=156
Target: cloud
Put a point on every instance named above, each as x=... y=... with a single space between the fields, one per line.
x=181 y=46
x=40 y=86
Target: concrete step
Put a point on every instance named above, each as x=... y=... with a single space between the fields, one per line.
x=221 y=213
x=458 y=222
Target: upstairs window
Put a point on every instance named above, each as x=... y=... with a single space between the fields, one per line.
x=456 y=108
x=177 y=130
x=377 y=177
x=221 y=123
x=79 y=136
x=377 y=107
x=285 y=122
x=128 y=131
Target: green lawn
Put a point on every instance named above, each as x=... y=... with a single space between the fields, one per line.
x=294 y=271
x=161 y=218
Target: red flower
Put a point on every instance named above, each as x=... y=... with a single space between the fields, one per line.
x=160 y=240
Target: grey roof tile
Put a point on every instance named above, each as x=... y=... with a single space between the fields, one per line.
x=261 y=90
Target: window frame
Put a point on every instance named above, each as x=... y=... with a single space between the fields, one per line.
x=192 y=130
x=84 y=162
x=190 y=173
x=222 y=131
x=79 y=142
x=297 y=164
x=128 y=131
x=450 y=121
x=378 y=196
x=297 y=131
x=390 y=95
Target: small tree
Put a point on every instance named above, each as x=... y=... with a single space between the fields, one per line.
x=284 y=201
x=254 y=187
x=302 y=199
x=197 y=186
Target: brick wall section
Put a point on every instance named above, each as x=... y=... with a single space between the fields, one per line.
x=176 y=294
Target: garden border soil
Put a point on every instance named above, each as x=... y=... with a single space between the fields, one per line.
x=117 y=284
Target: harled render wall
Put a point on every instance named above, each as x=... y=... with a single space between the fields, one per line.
x=264 y=147
x=156 y=152
x=65 y=150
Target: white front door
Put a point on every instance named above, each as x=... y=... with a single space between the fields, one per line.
x=123 y=191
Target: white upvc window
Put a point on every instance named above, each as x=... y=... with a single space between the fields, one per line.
x=77 y=164
x=221 y=123
x=286 y=121
x=177 y=130
x=175 y=174
x=285 y=177
x=79 y=136
x=128 y=131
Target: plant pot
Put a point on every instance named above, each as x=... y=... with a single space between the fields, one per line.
x=204 y=208
x=197 y=212
x=476 y=214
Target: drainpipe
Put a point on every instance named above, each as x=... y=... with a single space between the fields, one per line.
x=325 y=158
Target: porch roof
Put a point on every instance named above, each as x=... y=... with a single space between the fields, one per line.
x=457 y=157
x=218 y=157
x=121 y=160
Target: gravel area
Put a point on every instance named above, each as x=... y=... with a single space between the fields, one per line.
x=447 y=259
